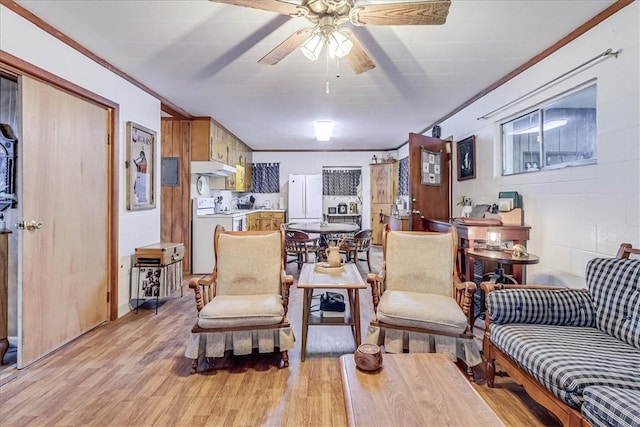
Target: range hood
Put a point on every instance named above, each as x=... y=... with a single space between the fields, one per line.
x=212 y=168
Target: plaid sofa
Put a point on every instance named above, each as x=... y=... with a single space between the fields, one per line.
x=575 y=342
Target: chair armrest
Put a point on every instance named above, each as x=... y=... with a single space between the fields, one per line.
x=377 y=287
x=542 y=305
x=464 y=294
x=204 y=289
x=286 y=280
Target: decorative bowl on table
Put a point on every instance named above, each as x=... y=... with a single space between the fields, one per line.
x=368 y=357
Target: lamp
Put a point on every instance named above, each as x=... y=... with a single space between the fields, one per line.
x=323 y=129
x=339 y=45
x=493 y=239
x=313 y=47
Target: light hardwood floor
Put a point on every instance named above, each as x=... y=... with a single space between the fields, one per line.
x=133 y=372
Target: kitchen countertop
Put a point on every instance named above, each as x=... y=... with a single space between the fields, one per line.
x=242 y=212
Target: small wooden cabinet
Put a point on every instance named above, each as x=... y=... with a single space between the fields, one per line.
x=265 y=220
x=384 y=191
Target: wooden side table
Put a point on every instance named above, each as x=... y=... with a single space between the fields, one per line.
x=502 y=257
x=349 y=280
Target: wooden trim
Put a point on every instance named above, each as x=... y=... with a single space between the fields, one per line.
x=582 y=29
x=166 y=105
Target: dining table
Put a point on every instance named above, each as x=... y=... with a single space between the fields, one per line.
x=324 y=229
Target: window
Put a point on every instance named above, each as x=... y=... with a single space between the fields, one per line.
x=568 y=136
x=340 y=182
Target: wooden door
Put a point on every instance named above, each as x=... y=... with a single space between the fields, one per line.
x=63 y=269
x=432 y=201
x=384 y=190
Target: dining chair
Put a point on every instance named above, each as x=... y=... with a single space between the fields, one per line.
x=299 y=245
x=359 y=243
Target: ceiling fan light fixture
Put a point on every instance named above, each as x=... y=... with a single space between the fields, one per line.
x=324 y=129
x=339 y=45
x=313 y=47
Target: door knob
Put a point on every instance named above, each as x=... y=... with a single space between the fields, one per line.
x=30 y=225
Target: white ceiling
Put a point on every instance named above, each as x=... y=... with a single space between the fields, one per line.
x=202 y=57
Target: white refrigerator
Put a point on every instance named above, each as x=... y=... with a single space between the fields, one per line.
x=305 y=198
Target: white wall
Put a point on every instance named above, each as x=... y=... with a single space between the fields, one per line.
x=575 y=213
x=26 y=41
x=313 y=162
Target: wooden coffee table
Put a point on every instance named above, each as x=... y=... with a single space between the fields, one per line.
x=349 y=279
x=413 y=390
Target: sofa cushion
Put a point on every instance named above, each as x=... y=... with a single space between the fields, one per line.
x=571 y=307
x=566 y=359
x=247 y=310
x=614 y=285
x=429 y=311
x=608 y=406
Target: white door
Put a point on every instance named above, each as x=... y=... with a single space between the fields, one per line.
x=313 y=197
x=62 y=272
x=296 y=197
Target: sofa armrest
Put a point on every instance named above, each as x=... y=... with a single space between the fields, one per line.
x=539 y=305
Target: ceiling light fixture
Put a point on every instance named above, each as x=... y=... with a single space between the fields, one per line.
x=337 y=43
x=323 y=129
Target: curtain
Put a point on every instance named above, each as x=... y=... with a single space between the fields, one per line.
x=340 y=182
x=265 y=178
x=403 y=177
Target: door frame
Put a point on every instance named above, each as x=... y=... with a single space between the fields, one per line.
x=15 y=66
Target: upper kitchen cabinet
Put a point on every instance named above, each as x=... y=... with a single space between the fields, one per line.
x=211 y=141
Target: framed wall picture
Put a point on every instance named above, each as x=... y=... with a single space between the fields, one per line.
x=467 y=158
x=141 y=143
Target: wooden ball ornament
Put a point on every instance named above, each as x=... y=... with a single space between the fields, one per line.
x=368 y=357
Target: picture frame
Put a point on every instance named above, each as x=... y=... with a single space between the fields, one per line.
x=466 y=150
x=141 y=144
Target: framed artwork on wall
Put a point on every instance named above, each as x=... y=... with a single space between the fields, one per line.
x=467 y=158
x=141 y=144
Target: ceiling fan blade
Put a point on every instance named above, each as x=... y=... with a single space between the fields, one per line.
x=357 y=58
x=277 y=6
x=290 y=44
x=412 y=13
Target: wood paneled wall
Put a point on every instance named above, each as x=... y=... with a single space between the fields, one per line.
x=175 y=213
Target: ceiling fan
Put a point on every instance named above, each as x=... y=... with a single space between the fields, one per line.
x=327 y=17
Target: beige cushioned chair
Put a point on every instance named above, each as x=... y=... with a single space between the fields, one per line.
x=420 y=303
x=243 y=304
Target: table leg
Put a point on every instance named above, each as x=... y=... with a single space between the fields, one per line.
x=306 y=309
x=356 y=315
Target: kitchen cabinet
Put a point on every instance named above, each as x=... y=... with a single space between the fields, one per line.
x=202 y=139
x=265 y=220
x=384 y=191
x=243 y=175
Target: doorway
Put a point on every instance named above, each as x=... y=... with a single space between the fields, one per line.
x=63 y=258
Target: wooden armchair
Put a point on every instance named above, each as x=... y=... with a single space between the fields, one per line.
x=243 y=305
x=419 y=299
